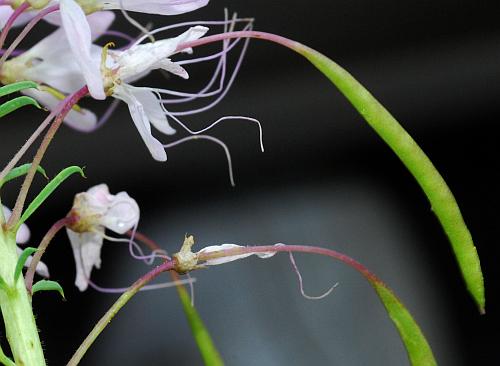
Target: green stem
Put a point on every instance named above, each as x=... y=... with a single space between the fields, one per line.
x=438 y=193
x=110 y=314
x=30 y=273
x=442 y=201
x=17 y=312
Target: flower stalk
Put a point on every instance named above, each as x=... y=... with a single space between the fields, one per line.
x=68 y=103
x=442 y=201
x=110 y=314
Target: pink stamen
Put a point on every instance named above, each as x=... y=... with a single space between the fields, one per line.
x=114 y=33
x=188 y=24
x=228 y=86
x=26 y=30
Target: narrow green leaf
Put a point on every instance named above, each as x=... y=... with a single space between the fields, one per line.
x=3 y=285
x=16 y=103
x=20 y=171
x=418 y=349
x=209 y=353
x=46 y=285
x=15 y=87
x=442 y=201
x=4 y=360
x=22 y=259
x=47 y=191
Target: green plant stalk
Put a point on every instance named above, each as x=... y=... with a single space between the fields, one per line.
x=209 y=353
x=442 y=201
x=113 y=310
x=17 y=312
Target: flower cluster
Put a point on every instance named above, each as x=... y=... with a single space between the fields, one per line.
x=68 y=59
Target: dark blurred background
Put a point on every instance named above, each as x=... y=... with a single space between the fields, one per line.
x=325 y=179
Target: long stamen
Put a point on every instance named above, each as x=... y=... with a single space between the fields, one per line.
x=213 y=139
x=187 y=24
x=301 y=285
x=120 y=290
x=222 y=119
x=229 y=83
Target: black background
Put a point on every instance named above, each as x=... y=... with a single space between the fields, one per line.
x=325 y=179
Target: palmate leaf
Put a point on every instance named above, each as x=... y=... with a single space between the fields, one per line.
x=47 y=191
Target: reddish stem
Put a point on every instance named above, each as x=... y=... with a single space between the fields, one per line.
x=372 y=278
x=69 y=102
x=110 y=314
x=26 y=30
x=11 y=20
x=240 y=34
x=28 y=279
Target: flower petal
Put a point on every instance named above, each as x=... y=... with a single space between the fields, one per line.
x=153 y=110
x=163 y=7
x=99 y=22
x=87 y=253
x=222 y=260
x=81 y=120
x=141 y=121
x=79 y=36
x=122 y=215
x=142 y=58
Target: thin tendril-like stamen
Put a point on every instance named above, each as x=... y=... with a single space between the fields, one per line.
x=187 y=24
x=222 y=119
x=119 y=290
x=301 y=285
x=115 y=33
x=213 y=139
x=135 y=23
x=228 y=86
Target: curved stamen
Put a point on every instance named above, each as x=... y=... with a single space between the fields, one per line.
x=301 y=285
x=213 y=139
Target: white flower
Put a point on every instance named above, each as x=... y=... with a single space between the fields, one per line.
x=78 y=30
x=222 y=260
x=144 y=106
x=50 y=63
x=97 y=210
x=22 y=237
